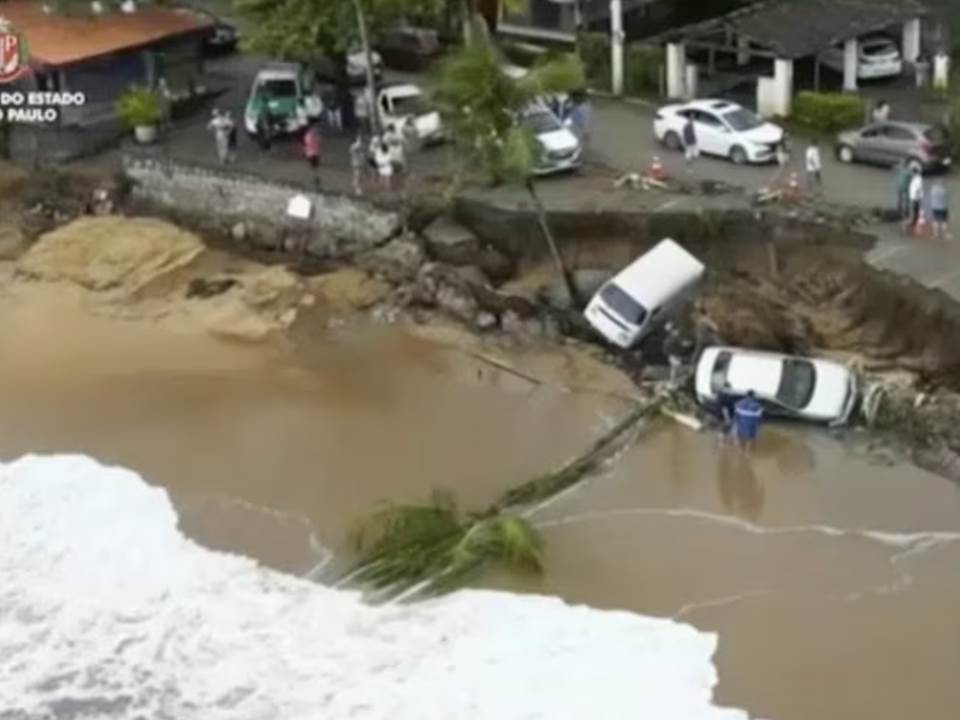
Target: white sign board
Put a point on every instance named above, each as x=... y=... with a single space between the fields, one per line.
x=300 y=207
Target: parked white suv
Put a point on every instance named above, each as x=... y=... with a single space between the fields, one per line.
x=797 y=387
x=877 y=57
x=723 y=128
x=560 y=148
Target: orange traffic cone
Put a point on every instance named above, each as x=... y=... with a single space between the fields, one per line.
x=921 y=228
x=656 y=170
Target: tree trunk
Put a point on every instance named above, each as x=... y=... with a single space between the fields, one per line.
x=368 y=54
x=568 y=279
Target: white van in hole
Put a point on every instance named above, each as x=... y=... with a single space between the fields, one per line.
x=637 y=298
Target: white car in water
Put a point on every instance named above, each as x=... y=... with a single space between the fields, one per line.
x=877 y=57
x=789 y=386
x=723 y=128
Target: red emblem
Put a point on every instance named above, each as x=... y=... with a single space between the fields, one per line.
x=12 y=56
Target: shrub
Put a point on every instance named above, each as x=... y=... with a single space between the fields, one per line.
x=594 y=51
x=138 y=106
x=643 y=65
x=828 y=112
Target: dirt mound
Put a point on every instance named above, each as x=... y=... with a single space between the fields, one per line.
x=111 y=253
x=147 y=269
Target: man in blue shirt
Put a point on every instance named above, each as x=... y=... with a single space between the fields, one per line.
x=747 y=415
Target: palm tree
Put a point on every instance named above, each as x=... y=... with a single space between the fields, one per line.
x=413 y=549
x=482 y=105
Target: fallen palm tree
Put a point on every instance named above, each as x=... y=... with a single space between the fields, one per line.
x=418 y=550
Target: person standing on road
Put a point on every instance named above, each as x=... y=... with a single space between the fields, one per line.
x=915 y=192
x=220 y=125
x=881 y=113
x=902 y=186
x=231 y=138
x=311 y=151
x=747 y=415
x=264 y=127
x=690 y=149
x=814 y=168
x=940 y=210
x=358 y=163
x=582 y=116
x=384 y=163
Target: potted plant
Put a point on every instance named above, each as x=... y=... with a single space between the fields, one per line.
x=139 y=108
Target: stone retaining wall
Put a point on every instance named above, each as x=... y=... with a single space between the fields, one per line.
x=339 y=226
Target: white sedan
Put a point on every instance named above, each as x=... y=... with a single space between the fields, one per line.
x=877 y=57
x=804 y=388
x=402 y=103
x=722 y=128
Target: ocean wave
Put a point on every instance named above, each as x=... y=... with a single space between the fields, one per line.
x=108 y=611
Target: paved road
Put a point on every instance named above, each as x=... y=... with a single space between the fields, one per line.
x=622 y=139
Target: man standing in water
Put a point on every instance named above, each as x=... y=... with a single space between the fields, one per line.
x=747 y=415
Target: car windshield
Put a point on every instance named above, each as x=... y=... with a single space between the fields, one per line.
x=718 y=376
x=280 y=88
x=411 y=105
x=622 y=304
x=797 y=383
x=542 y=122
x=742 y=119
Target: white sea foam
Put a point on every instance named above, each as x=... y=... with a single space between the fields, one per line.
x=107 y=611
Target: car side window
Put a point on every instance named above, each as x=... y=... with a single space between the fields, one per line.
x=708 y=119
x=891 y=132
x=871 y=132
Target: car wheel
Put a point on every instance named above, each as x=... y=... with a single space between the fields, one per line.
x=672 y=140
x=738 y=155
x=845 y=154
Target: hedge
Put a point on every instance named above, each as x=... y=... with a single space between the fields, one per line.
x=828 y=112
x=642 y=64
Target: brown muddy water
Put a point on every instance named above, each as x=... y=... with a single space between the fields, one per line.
x=829 y=576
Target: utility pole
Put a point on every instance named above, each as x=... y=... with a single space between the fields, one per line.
x=373 y=110
x=616 y=46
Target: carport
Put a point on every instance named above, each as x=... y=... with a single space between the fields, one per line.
x=784 y=31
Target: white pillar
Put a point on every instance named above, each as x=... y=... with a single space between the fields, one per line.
x=911 y=40
x=616 y=46
x=941 y=70
x=676 y=70
x=783 y=79
x=692 y=77
x=850 y=62
x=743 y=50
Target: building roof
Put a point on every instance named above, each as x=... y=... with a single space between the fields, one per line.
x=56 y=40
x=798 y=28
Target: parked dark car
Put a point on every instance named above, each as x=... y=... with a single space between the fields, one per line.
x=409 y=49
x=922 y=145
x=222 y=37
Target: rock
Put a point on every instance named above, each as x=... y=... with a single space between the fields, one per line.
x=473 y=275
x=485 y=320
x=349 y=289
x=456 y=302
x=452 y=243
x=521 y=328
x=239 y=231
x=11 y=241
x=397 y=261
x=498 y=267
x=203 y=288
x=587 y=280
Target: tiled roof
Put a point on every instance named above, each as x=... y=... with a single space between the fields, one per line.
x=61 y=40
